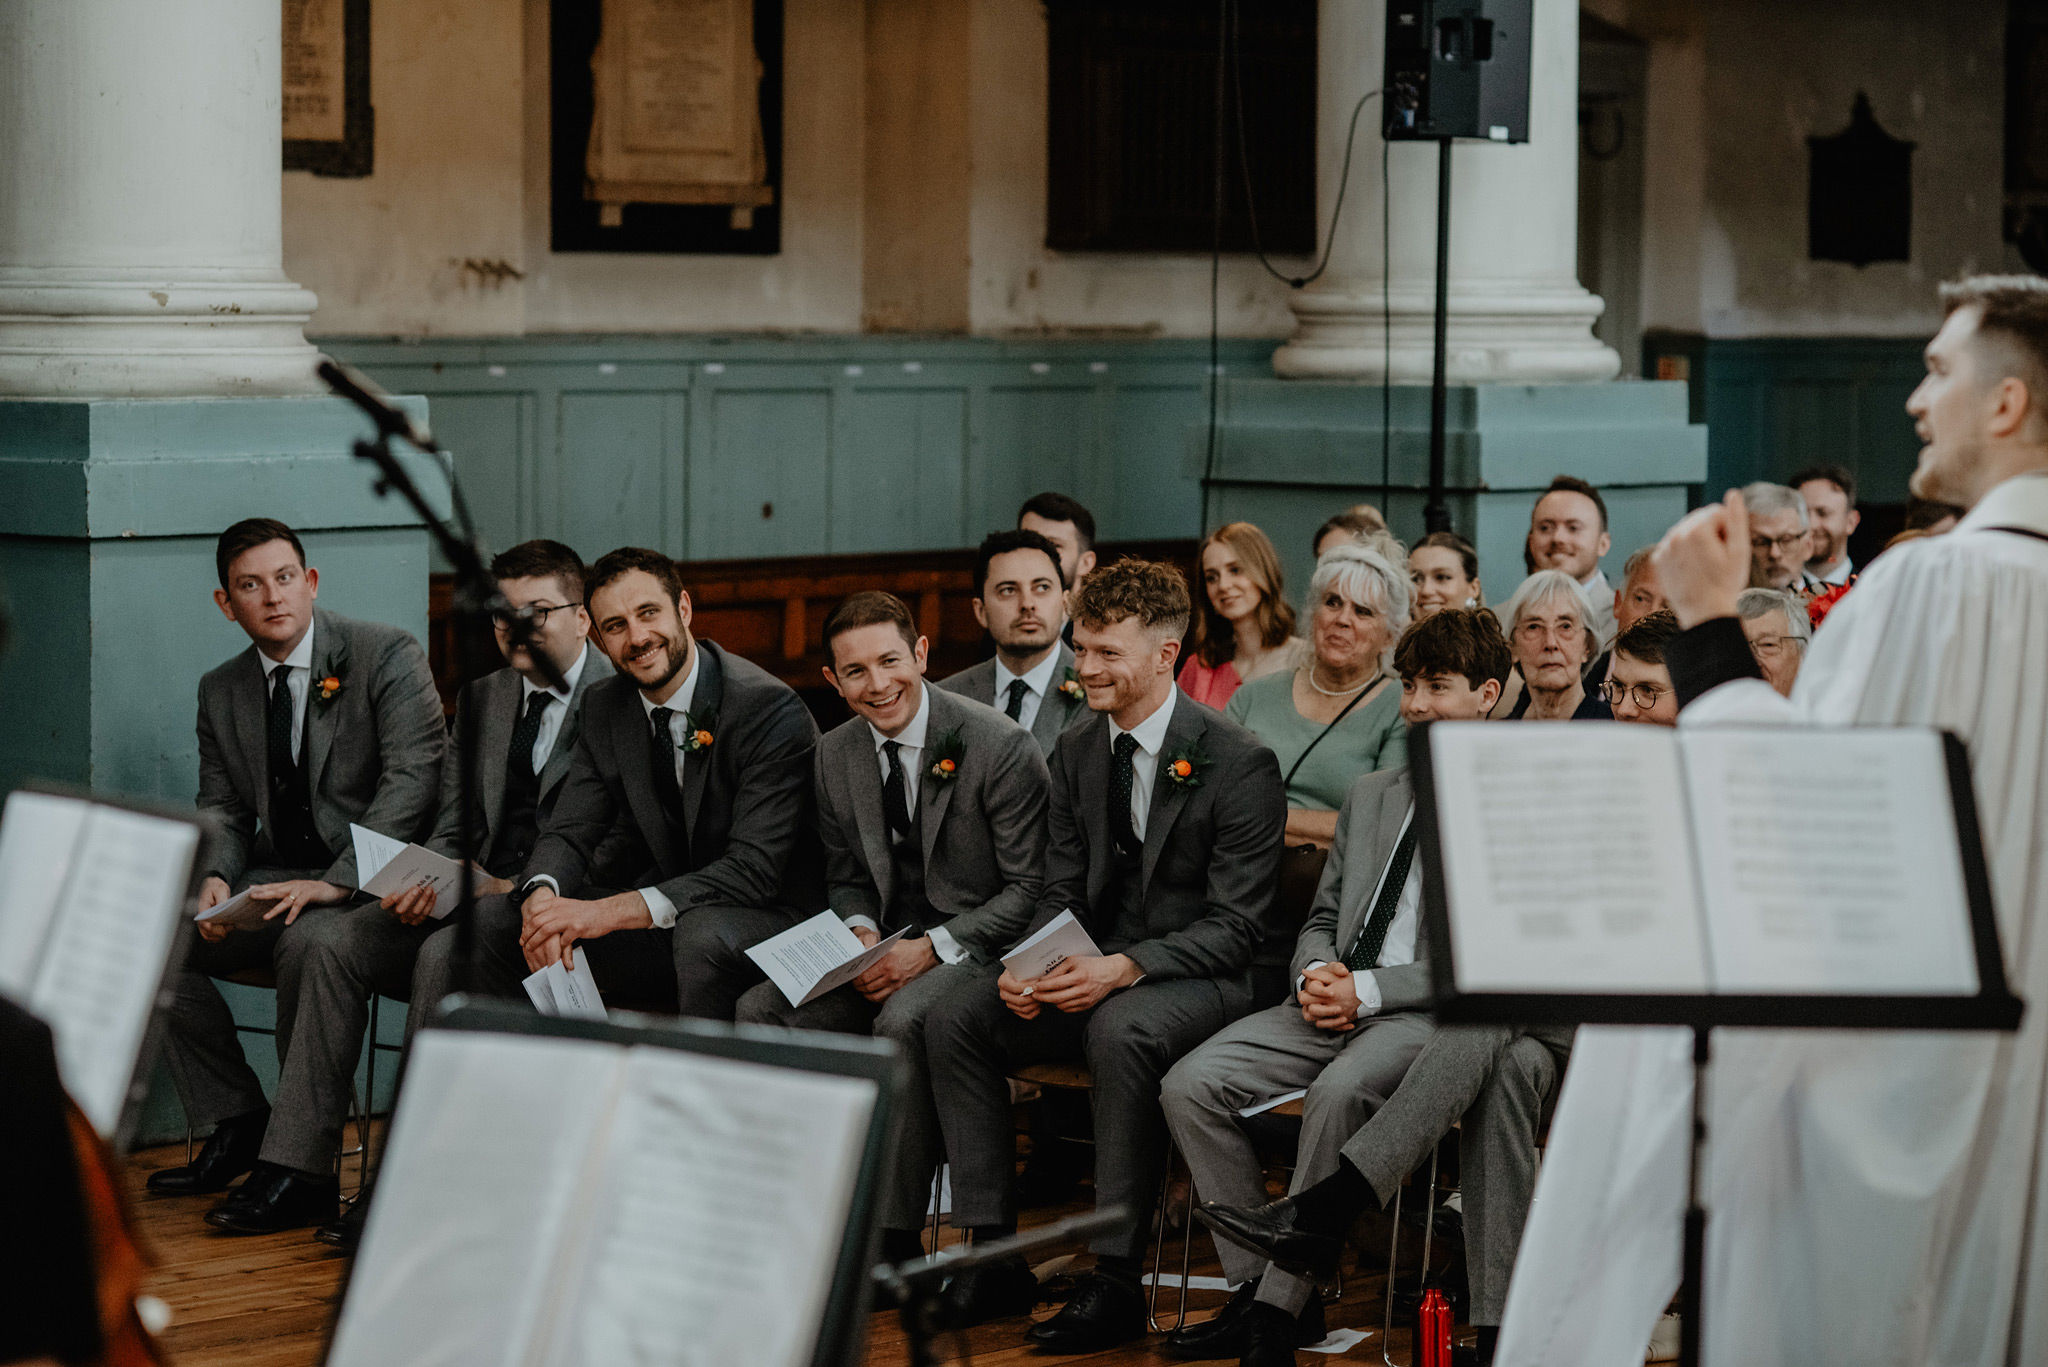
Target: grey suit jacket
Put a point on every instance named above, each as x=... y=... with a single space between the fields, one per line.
x=1056 y=711
x=373 y=750
x=1368 y=828
x=983 y=830
x=1211 y=857
x=747 y=798
x=498 y=700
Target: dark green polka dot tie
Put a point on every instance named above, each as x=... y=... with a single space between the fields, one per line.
x=1365 y=955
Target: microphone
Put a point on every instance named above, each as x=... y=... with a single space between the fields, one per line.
x=391 y=420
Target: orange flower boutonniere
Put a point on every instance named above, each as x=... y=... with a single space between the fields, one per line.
x=702 y=730
x=1183 y=768
x=328 y=687
x=1070 y=687
x=947 y=752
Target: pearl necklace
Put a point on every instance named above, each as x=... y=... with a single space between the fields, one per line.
x=1339 y=692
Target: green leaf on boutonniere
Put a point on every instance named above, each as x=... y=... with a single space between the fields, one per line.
x=1183 y=768
x=944 y=756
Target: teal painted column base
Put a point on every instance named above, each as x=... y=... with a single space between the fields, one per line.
x=1289 y=453
x=108 y=514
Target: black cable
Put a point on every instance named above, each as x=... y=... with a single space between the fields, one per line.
x=1215 y=256
x=1245 y=167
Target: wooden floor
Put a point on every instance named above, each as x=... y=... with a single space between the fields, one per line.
x=268 y=1301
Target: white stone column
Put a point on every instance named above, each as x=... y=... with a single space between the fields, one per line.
x=1517 y=310
x=141 y=249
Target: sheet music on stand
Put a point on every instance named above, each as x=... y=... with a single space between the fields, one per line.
x=1792 y=877
x=560 y=1192
x=1770 y=876
x=92 y=895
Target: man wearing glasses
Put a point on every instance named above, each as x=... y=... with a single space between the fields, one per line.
x=1778 y=630
x=1638 y=687
x=1779 y=540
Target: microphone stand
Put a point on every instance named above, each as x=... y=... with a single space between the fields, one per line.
x=477 y=603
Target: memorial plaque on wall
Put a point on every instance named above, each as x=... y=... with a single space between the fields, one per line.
x=676 y=109
x=327 y=123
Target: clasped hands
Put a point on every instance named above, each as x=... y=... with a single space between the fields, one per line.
x=288 y=899
x=551 y=924
x=1080 y=981
x=906 y=959
x=1329 y=998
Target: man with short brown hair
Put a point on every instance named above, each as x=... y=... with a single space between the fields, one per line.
x=1165 y=827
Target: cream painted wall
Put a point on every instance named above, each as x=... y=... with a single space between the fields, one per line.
x=1018 y=283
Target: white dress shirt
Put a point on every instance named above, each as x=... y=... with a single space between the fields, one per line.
x=911 y=739
x=1038 y=682
x=659 y=907
x=1151 y=738
x=552 y=719
x=1837 y=575
x=299 y=681
x=1398 y=949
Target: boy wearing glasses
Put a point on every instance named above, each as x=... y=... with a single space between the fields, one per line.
x=1638 y=686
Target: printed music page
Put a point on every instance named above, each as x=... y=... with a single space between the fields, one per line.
x=1567 y=859
x=717 y=1227
x=490 y=1161
x=107 y=949
x=38 y=845
x=1830 y=862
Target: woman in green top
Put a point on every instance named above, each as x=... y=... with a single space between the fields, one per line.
x=1360 y=608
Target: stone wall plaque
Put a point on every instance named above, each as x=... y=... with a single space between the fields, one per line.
x=327 y=120
x=676 y=116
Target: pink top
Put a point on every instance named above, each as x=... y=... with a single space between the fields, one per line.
x=1210 y=687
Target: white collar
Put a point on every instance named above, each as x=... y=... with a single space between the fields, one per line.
x=912 y=736
x=680 y=700
x=1038 y=678
x=1151 y=732
x=2021 y=501
x=527 y=687
x=1596 y=580
x=300 y=658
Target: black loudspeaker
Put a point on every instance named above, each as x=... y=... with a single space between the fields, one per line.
x=1458 y=69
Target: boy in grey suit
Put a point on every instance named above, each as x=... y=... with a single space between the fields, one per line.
x=323 y=721
x=1164 y=841
x=1358 y=1018
x=931 y=809
x=1019 y=599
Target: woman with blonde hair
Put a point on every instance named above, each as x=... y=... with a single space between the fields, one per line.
x=1244 y=629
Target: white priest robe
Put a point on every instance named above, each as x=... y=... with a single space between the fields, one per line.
x=1871 y=1198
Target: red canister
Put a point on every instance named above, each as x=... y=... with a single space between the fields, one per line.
x=1432 y=1330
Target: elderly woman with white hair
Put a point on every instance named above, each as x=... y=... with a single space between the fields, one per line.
x=1552 y=640
x=1338 y=714
x=1778 y=629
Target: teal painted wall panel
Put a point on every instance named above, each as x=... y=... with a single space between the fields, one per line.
x=763 y=489
x=899 y=470
x=611 y=481
x=49 y=697
x=861 y=444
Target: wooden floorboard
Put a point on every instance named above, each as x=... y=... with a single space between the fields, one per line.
x=268 y=1301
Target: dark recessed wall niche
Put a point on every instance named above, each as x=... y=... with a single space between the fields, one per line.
x=1859 y=198
x=704 y=229
x=1131 y=110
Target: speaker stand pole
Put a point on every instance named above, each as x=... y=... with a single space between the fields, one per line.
x=1692 y=1328
x=1435 y=516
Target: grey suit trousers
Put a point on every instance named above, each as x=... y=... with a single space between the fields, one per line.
x=327 y=963
x=1497 y=1079
x=1128 y=1040
x=920 y=1147
x=1349 y=1075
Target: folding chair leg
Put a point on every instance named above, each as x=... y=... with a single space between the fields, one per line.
x=1187 y=1240
x=938 y=1188
x=1394 y=1257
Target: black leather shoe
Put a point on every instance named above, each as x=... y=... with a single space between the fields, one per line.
x=1103 y=1313
x=1275 y=1231
x=992 y=1291
x=1269 y=1338
x=274 y=1198
x=346 y=1232
x=227 y=1153
x=1224 y=1336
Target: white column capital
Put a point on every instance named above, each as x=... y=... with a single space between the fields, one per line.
x=141 y=246
x=1517 y=312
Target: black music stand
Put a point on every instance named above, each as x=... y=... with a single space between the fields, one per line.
x=1992 y=1007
